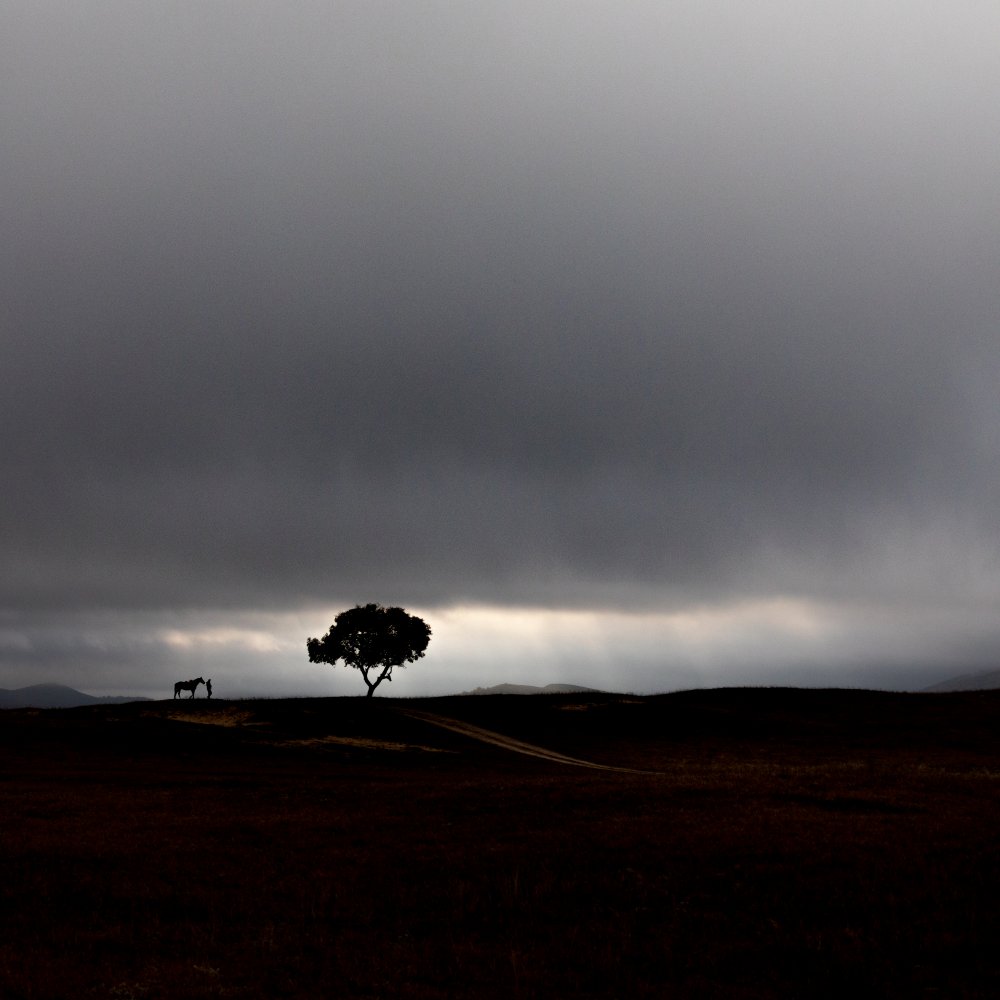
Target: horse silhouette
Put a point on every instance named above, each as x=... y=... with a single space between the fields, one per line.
x=191 y=686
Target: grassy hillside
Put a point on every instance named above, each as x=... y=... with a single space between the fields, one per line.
x=768 y=843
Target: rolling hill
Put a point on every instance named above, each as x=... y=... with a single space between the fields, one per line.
x=533 y=689
x=985 y=681
x=56 y=696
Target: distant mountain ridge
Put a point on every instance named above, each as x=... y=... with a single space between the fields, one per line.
x=533 y=689
x=57 y=696
x=985 y=681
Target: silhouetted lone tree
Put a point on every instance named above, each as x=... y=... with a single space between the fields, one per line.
x=372 y=639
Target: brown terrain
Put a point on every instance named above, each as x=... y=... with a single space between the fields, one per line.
x=730 y=843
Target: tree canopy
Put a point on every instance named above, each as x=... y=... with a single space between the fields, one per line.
x=373 y=639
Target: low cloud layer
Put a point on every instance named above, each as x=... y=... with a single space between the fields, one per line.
x=548 y=308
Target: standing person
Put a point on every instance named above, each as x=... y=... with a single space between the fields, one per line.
x=208 y=684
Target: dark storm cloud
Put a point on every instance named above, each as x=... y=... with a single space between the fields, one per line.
x=557 y=304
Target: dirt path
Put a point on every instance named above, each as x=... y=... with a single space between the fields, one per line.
x=509 y=743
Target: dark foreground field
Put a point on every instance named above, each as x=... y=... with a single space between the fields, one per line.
x=784 y=843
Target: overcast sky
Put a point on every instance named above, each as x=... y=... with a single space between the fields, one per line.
x=640 y=345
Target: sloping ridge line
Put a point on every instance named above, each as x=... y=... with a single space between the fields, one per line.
x=509 y=743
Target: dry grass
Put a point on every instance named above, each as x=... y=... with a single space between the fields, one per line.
x=797 y=844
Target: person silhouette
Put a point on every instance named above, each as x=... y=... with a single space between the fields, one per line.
x=208 y=684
